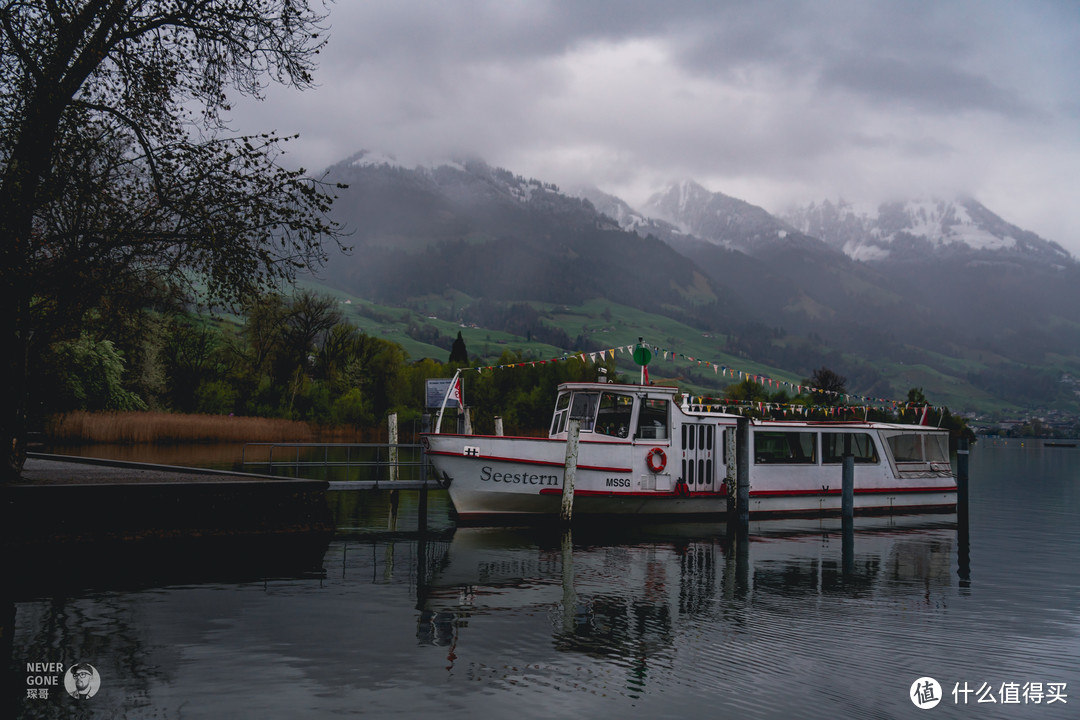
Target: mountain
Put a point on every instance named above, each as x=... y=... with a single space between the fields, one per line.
x=722 y=219
x=917 y=228
x=943 y=295
x=465 y=227
x=628 y=218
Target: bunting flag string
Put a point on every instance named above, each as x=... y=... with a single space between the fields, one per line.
x=852 y=402
x=849 y=399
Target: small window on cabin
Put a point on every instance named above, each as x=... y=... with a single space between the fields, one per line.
x=785 y=448
x=862 y=448
x=919 y=447
x=653 y=419
x=613 y=415
x=558 y=420
x=906 y=448
x=584 y=407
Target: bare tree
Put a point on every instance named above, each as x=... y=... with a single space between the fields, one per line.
x=831 y=385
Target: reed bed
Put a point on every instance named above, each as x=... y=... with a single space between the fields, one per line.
x=162 y=427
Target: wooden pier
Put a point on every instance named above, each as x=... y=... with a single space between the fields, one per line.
x=66 y=500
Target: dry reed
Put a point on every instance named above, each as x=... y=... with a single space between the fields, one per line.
x=161 y=427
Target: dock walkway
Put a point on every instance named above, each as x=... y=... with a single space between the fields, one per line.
x=65 y=499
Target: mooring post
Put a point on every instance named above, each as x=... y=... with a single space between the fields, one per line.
x=732 y=470
x=847 y=509
x=392 y=439
x=467 y=430
x=573 y=430
x=962 y=455
x=570 y=599
x=499 y=425
x=421 y=510
x=742 y=473
x=847 y=481
x=963 y=551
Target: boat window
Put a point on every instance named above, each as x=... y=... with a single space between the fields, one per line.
x=558 y=421
x=584 y=407
x=918 y=446
x=785 y=447
x=862 y=448
x=653 y=419
x=613 y=415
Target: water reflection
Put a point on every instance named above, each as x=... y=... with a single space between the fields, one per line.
x=793 y=620
x=627 y=597
x=98 y=602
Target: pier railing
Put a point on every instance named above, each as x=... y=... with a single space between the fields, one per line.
x=339 y=462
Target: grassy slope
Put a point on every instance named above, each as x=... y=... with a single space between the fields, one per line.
x=609 y=325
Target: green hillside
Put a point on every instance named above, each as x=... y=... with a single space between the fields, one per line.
x=606 y=325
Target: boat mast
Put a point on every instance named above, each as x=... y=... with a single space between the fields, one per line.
x=446 y=397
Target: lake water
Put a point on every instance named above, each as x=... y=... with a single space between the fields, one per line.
x=648 y=621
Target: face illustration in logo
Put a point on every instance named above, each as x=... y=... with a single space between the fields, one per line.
x=82 y=681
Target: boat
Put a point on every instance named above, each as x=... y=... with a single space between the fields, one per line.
x=642 y=450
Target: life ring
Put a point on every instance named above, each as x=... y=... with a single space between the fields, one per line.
x=656 y=460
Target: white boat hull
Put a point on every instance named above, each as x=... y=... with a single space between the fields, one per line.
x=639 y=453
x=487 y=479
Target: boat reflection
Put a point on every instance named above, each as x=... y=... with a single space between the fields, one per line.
x=630 y=591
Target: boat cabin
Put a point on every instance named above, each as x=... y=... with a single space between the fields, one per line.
x=610 y=412
x=650 y=415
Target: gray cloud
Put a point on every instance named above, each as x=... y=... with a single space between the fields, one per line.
x=773 y=102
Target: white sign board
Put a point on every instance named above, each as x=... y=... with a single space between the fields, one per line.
x=436 y=391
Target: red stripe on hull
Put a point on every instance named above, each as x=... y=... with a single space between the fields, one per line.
x=650 y=494
x=858 y=491
x=522 y=461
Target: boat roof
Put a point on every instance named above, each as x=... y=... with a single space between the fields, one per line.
x=844 y=424
x=670 y=391
x=619 y=387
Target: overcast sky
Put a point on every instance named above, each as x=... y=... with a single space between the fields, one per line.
x=773 y=102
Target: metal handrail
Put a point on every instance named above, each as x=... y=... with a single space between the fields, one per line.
x=296 y=463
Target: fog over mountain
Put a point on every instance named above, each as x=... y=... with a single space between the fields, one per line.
x=773 y=103
x=944 y=292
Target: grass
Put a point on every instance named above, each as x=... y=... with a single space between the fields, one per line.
x=161 y=427
x=609 y=324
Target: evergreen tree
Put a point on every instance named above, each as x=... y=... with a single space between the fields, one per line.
x=458 y=353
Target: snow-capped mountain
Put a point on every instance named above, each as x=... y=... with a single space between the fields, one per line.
x=716 y=217
x=919 y=228
x=629 y=219
x=465 y=180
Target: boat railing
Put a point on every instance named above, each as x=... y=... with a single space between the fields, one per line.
x=338 y=462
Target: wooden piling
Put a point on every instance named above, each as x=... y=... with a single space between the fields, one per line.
x=421 y=510
x=962 y=457
x=573 y=431
x=392 y=433
x=847 y=481
x=732 y=471
x=499 y=425
x=570 y=598
x=963 y=537
x=742 y=473
x=847 y=509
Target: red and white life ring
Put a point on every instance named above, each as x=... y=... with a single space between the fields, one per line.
x=656 y=460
